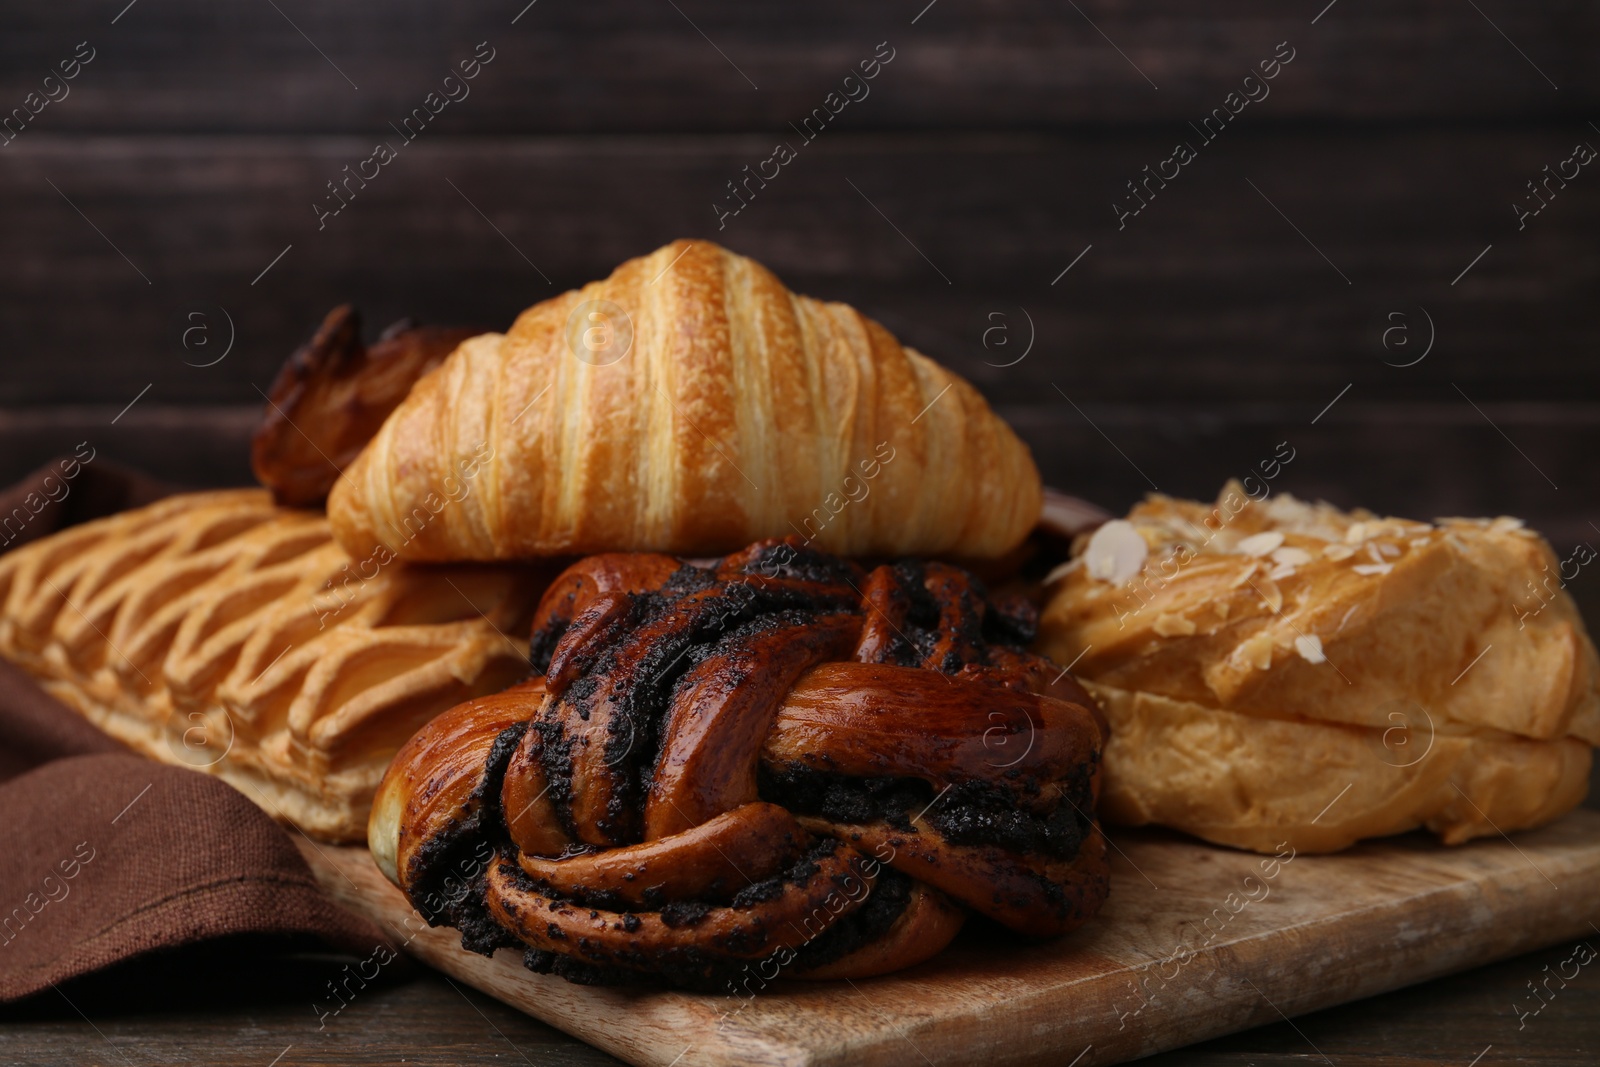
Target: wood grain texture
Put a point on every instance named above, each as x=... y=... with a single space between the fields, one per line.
x=189 y=65
x=274 y=1023
x=1322 y=930
x=434 y=1020
x=1207 y=296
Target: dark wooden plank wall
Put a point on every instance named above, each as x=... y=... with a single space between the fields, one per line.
x=1180 y=349
x=195 y=66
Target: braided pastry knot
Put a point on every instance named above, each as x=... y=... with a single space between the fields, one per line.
x=777 y=756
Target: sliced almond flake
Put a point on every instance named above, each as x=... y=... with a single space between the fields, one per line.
x=1421 y=542
x=1244 y=576
x=1373 y=568
x=1061 y=570
x=1256 y=651
x=1260 y=544
x=1222 y=608
x=1271 y=594
x=1116 y=552
x=1355 y=533
x=1351 y=611
x=1389 y=549
x=1373 y=553
x=1281 y=571
x=1338 y=552
x=1310 y=648
x=1169 y=625
x=1285 y=509
x=1505 y=524
x=1291 y=555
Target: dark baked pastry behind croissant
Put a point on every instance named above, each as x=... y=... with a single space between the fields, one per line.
x=777 y=760
x=332 y=395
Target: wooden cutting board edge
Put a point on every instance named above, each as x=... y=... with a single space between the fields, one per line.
x=1450 y=910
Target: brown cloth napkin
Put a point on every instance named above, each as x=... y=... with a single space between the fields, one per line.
x=106 y=856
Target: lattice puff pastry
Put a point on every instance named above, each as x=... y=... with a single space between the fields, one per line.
x=221 y=632
x=1283 y=671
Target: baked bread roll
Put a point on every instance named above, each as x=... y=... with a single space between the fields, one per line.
x=1286 y=672
x=332 y=395
x=778 y=760
x=216 y=631
x=689 y=403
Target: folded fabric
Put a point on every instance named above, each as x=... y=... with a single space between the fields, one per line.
x=106 y=856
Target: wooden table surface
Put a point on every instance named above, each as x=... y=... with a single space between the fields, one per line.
x=252 y=1003
x=430 y=1020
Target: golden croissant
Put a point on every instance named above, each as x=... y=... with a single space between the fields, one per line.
x=689 y=403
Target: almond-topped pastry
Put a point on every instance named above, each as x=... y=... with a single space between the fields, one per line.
x=1258 y=659
x=220 y=632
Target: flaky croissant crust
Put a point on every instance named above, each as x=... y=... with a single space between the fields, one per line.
x=689 y=403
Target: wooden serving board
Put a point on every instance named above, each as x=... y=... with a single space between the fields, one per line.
x=1195 y=941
